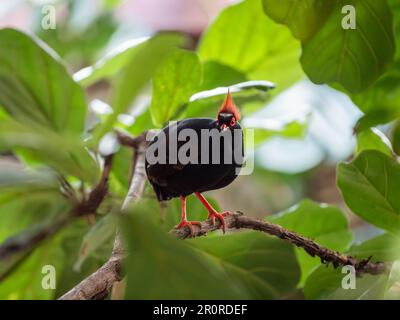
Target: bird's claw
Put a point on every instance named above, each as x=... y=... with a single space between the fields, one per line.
x=220 y=217
x=189 y=224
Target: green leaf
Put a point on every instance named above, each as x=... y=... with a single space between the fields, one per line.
x=355 y=58
x=381 y=101
x=369 y=185
x=35 y=87
x=216 y=74
x=373 y=139
x=109 y=66
x=326 y=283
x=384 y=247
x=66 y=155
x=176 y=79
x=303 y=17
x=325 y=224
x=243 y=38
x=97 y=236
x=166 y=268
x=264 y=260
x=136 y=74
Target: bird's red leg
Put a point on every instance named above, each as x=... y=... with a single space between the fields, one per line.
x=212 y=213
x=184 y=222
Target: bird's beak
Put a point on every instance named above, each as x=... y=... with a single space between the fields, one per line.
x=223 y=127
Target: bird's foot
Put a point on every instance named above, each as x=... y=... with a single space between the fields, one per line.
x=189 y=224
x=220 y=216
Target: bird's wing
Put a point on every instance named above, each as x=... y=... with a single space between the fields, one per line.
x=160 y=173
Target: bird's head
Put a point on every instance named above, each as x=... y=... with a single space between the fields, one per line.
x=228 y=114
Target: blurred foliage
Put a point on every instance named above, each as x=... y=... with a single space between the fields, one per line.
x=324 y=224
x=46 y=133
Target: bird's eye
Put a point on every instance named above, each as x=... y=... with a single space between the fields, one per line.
x=233 y=121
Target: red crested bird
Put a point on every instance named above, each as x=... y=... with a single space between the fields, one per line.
x=206 y=171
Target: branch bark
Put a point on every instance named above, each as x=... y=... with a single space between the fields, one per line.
x=237 y=220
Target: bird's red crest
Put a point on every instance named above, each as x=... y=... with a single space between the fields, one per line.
x=228 y=106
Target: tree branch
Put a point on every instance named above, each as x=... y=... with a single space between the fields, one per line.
x=97 y=285
x=239 y=221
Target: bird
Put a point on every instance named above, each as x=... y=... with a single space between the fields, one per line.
x=182 y=178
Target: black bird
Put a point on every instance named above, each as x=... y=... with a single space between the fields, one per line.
x=179 y=179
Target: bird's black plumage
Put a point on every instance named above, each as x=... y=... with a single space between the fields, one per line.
x=174 y=180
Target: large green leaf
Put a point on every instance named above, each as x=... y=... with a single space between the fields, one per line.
x=136 y=74
x=176 y=79
x=243 y=38
x=260 y=258
x=326 y=283
x=35 y=87
x=166 y=268
x=66 y=155
x=326 y=225
x=216 y=74
x=370 y=185
x=381 y=102
x=111 y=64
x=355 y=58
x=303 y=17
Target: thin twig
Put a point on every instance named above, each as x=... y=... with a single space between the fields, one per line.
x=128 y=141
